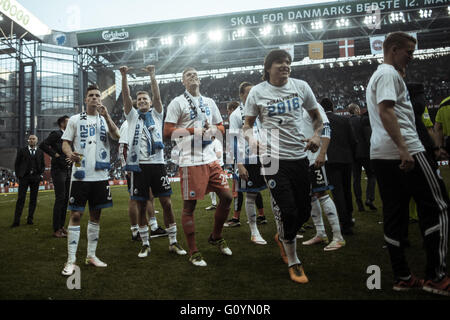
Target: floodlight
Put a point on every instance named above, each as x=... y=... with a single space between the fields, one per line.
x=317 y=25
x=424 y=14
x=166 y=41
x=396 y=17
x=289 y=28
x=342 y=22
x=190 y=39
x=265 y=31
x=141 y=44
x=215 y=35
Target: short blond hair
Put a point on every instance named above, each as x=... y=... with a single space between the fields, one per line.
x=352 y=107
x=397 y=38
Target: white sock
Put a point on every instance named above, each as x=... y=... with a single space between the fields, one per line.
x=331 y=213
x=316 y=215
x=153 y=223
x=143 y=231
x=172 y=231
x=134 y=230
x=93 y=231
x=250 y=210
x=291 y=252
x=73 y=237
x=213 y=198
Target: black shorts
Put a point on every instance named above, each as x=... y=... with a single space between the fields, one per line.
x=290 y=188
x=255 y=183
x=97 y=193
x=319 y=180
x=152 y=176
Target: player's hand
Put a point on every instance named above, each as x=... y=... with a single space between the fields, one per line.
x=150 y=69
x=312 y=144
x=124 y=70
x=320 y=161
x=407 y=161
x=68 y=161
x=243 y=173
x=75 y=157
x=102 y=110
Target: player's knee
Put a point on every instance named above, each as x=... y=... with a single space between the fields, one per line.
x=226 y=198
x=75 y=217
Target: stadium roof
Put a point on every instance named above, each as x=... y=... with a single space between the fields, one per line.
x=243 y=39
x=16 y=22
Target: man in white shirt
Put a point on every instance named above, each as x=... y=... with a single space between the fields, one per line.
x=320 y=186
x=90 y=173
x=146 y=159
x=249 y=179
x=279 y=104
x=404 y=170
x=192 y=120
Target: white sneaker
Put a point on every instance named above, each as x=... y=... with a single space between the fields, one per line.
x=144 y=251
x=69 y=269
x=175 y=247
x=334 y=245
x=95 y=262
x=212 y=207
x=315 y=240
x=197 y=260
x=258 y=239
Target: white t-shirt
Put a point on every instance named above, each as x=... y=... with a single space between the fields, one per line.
x=218 y=147
x=179 y=112
x=144 y=156
x=72 y=134
x=387 y=84
x=280 y=108
x=308 y=130
x=236 y=123
x=123 y=131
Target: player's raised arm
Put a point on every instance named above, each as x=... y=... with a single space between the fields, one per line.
x=127 y=102
x=156 y=96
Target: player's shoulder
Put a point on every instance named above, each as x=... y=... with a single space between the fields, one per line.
x=75 y=117
x=236 y=114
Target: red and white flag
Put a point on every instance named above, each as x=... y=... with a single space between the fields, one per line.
x=346 y=48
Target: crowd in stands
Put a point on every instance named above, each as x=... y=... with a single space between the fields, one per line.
x=7 y=178
x=343 y=85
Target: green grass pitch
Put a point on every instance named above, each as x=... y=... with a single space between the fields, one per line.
x=31 y=260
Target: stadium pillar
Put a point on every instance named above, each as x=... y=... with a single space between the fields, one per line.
x=33 y=117
x=22 y=102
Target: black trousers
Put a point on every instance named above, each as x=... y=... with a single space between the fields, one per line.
x=427 y=188
x=24 y=183
x=340 y=176
x=61 y=183
x=291 y=191
x=371 y=179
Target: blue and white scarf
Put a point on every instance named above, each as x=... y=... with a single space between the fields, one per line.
x=201 y=116
x=144 y=124
x=102 y=156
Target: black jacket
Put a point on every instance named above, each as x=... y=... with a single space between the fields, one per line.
x=362 y=131
x=53 y=145
x=343 y=141
x=23 y=162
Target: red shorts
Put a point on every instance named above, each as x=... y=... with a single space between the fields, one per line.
x=196 y=181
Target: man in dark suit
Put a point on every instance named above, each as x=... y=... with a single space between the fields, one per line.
x=361 y=128
x=29 y=168
x=60 y=176
x=339 y=165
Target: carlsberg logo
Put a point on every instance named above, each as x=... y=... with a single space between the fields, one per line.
x=115 y=35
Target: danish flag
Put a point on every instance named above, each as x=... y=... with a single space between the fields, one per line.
x=346 y=48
